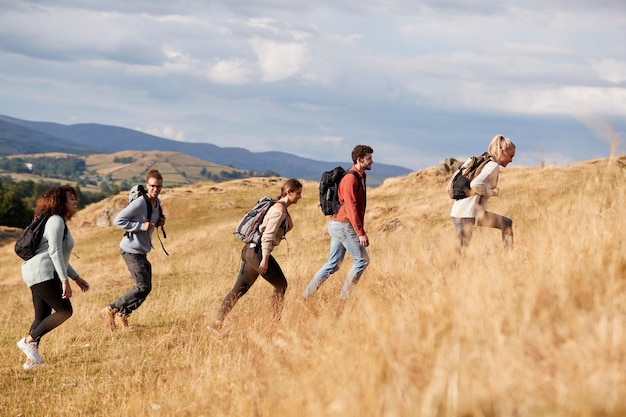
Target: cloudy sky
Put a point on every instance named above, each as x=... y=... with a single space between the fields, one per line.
x=418 y=80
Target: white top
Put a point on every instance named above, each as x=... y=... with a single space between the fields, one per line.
x=483 y=186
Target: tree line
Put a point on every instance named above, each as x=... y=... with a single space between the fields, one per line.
x=69 y=167
x=18 y=198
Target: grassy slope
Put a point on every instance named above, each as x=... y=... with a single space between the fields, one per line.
x=537 y=331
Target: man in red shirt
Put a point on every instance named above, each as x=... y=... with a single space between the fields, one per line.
x=346 y=227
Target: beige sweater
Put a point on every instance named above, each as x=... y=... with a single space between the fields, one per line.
x=276 y=224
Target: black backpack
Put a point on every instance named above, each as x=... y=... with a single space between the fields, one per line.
x=28 y=241
x=329 y=189
x=459 y=185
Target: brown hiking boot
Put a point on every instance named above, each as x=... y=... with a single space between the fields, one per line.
x=107 y=314
x=121 y=321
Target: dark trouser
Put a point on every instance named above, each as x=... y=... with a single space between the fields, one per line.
x=248 y=273
x=47 y=295
x=141 y=271
x=465 y=227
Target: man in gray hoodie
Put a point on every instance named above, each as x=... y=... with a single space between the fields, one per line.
x=134 y=247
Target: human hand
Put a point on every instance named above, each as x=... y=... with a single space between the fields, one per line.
x=82 y=284
x=67 y=289
x=263 y=265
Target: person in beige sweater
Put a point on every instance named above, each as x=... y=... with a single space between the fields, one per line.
x=467 y=213
x=256 y=257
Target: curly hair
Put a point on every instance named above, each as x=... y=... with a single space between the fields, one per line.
x=54 y=201
x=360 y=151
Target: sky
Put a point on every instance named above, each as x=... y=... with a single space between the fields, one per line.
x=419 y=81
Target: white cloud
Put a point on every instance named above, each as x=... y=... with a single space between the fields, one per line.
x=334 y=140
x=234 y=72
x=408 y=76
x=610 y=69
x=167 y=132
x=280 y=60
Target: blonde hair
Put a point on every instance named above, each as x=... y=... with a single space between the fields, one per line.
x=498 y=144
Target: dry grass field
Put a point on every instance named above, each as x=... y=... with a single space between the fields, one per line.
x=537 y=331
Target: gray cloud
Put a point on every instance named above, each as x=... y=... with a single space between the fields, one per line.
x=420 y=81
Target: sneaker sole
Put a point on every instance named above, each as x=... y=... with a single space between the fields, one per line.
x=28 y=366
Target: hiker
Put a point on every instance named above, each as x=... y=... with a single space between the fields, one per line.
x=346 y=227
x=47 y=273
x=134 y=248
x=256 y=258
x=470 y=212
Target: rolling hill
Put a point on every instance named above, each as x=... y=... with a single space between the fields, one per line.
x=103 y=138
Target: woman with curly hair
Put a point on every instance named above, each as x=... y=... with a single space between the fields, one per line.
x=47 y=274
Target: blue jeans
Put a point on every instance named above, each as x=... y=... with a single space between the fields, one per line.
x=342 y=238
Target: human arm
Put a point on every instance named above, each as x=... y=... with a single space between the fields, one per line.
x=133 y=217
x=276 y=224
x=82 y=284
x=54 y=233
x=352 y=198
x=486 y=181
x=263 y=265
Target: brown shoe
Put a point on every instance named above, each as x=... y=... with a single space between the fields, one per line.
x=121 y=321
x=107 y=314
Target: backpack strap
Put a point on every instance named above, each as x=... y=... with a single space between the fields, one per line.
x=157 y=228
x=359 y=183
x=148 y=205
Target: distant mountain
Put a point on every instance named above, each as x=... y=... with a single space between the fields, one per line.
x=19 y=139
x=103 y=138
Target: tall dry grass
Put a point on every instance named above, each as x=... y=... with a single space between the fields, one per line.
x=538 y=331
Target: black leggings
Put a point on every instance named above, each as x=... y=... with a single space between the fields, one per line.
x=47 y=296
x=248 y=273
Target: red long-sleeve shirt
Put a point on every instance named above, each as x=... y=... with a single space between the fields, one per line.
x=352 y=196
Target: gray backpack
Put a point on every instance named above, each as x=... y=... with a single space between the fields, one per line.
x=247 y=229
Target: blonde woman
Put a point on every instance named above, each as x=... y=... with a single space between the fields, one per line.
x=470 y=212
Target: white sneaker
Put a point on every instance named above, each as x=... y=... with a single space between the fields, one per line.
x=28 y=365
x=30 y=350
x=215 y=329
